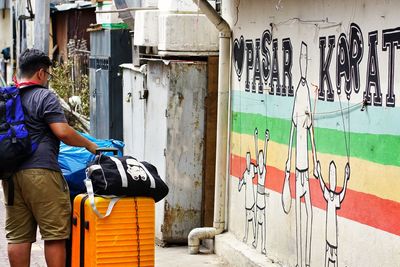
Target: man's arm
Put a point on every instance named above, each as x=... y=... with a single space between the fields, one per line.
x=256 y=145
x=266 y=146
x=288 y=162
x=241 y=183
x=346 y=178
x=321 y=181
x=313 y=150
x=69 y=136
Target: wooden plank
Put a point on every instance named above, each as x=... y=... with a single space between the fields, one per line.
x=210 y=141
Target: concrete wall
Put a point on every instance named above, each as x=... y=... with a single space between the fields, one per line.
x=5 y=24
x=320 y=77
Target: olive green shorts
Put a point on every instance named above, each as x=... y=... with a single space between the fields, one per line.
x=41 y=198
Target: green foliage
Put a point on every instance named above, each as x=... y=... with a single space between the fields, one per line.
x=62 y=81
x=85 y=95
x=66 y=85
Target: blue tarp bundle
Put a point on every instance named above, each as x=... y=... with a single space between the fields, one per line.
x=74 y=160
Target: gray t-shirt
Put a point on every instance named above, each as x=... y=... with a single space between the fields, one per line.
x=42 y=107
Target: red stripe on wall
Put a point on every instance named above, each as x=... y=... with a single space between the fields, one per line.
x=364 y=208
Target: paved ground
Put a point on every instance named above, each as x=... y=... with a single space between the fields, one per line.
x=165 y=257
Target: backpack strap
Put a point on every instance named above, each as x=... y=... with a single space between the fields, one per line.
x=23 y=90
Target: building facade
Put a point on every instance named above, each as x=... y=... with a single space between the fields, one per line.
x=314 y=136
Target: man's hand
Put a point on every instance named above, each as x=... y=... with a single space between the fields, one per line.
x=287 y=175
x=347 y=171
x=287 y=168
x=267 y=135
x=315 y=168
x=92 y=147
x=69 y=136
x=318 y=169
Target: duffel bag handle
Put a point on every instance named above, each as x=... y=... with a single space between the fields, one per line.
x=106 y=149
x=90 y=192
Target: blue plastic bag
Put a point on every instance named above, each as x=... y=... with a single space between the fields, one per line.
x=74 y=160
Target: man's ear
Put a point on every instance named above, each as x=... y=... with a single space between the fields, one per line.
x=40 y=74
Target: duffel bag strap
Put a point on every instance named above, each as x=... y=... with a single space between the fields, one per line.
x=151 y=177
x=121 y=170
x=113 y=201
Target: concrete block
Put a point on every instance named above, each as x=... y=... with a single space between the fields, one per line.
x=107 y=18
x=180 y=5
x=150 y=3
x=186 y=32
x=146 y=28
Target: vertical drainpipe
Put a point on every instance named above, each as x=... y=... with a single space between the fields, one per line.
x=221 y=167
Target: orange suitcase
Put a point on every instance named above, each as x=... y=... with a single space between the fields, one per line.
x=125 y=238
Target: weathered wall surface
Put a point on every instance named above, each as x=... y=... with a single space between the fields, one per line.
x=320 y=79
x=6 y=40
x=5 y=23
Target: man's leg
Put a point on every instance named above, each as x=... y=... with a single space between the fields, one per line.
x=327 y=251
x=335 y=256
x=20 y=225
x=253 y=222
x=52 y=208
x=264 y=233
x=255 y=242
x=55 y=253
x=19 y=255
x=307 y=199
x=298 y=231
x=246 y=231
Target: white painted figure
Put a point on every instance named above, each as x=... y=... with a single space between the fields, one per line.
x=247 y=181
x=303 y=124
x=261 y=194
x=334 y=201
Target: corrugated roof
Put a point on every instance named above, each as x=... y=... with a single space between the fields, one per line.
x=76 y=5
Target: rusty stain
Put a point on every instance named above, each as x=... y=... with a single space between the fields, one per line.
x=181 y=98
x=174 y=218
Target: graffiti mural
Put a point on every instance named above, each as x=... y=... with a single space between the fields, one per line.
x=328 y=95
x=255 y=206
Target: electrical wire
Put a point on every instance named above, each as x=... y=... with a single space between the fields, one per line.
x=355 y=106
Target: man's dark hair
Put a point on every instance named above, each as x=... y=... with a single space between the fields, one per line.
x=31 y=61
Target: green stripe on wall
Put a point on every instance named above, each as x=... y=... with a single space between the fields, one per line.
x=382 y=149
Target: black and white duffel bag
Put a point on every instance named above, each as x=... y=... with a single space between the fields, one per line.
x=124 y=176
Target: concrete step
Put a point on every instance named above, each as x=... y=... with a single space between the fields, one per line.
x=239 y=254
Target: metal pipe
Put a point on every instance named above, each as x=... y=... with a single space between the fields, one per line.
x=221 y=168
x=213 y=16
x=198 y=234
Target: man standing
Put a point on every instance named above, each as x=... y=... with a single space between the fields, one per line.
x=41 y=195
x=303 y=124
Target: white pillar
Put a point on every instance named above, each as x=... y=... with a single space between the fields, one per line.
x=42 y=22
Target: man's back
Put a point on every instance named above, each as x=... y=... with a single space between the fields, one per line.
x=41 y=108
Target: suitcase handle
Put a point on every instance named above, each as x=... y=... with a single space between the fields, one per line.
x=101 y=150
